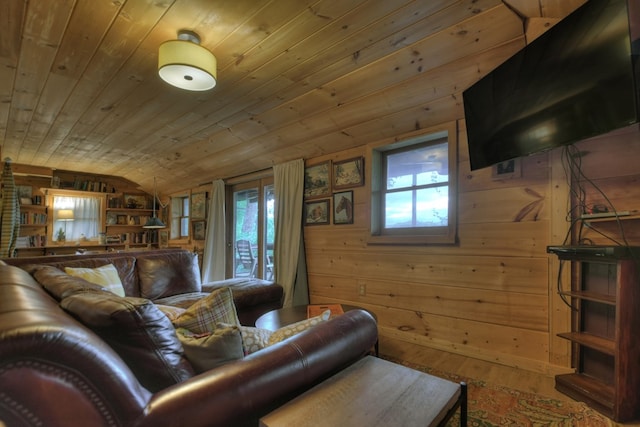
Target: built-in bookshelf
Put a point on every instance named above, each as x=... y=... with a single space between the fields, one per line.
x=33 y=222
x=126 y=215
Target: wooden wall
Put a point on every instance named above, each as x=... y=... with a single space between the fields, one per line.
x=493 y=295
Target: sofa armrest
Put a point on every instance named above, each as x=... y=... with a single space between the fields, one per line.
x=240 y=392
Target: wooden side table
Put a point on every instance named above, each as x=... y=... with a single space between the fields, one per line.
x=374 y=392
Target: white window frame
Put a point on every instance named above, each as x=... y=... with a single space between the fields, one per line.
x=422 y=235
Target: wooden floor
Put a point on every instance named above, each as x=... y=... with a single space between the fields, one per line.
x=492 y=373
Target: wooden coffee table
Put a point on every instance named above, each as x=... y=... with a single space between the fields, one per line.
x=374 y=392
x=276 y=319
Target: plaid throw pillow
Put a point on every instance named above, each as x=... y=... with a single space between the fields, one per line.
x=202 y=317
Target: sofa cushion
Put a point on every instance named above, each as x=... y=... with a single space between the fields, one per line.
x=124 y=265
x=59 y=284
x=105 y=276
x=254 y=339
x=163 y=275
x=138 y=331
x=295 y=328
x=203 y=316
x=207 y=351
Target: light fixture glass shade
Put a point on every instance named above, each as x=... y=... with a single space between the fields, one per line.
x=187 y=65
x=154 y=222
x=65 y=215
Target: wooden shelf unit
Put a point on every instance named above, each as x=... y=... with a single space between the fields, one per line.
x=33 y=225
x=605 y=295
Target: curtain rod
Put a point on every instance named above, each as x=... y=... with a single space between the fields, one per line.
x=245 y=177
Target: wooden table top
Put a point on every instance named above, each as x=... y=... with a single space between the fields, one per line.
x=371 y=392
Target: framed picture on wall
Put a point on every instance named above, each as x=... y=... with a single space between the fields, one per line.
x=317 y=212
x=317 y=180
x=199 y=230
x=135 y=201
x=199 y=205
x=343 y=207
x=349 y=173
x=506 y=170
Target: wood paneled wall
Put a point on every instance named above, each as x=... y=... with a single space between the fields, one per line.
x=493 y=295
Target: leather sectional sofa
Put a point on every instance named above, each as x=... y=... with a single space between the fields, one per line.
x=55 y=371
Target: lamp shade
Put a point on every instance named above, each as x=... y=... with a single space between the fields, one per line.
x=154 y=222
x=65 y=215
x=187 y=65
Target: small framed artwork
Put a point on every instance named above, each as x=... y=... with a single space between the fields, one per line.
x=317 y=212
x=135 y=201
x=24 y=191
x=199 y=205
x=506 y=170
x=343 y=207
x=199 y=230
x=349 y=173
x=317 y=180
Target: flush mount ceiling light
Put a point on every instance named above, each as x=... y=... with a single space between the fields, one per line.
x=185 y=64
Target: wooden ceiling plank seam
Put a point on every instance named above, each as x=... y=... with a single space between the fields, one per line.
x=353 y=81
x=43 y=33
x=89 y=89
x=328 y=73
x=12 y=21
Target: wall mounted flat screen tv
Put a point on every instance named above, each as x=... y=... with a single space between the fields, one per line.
x=575 y=81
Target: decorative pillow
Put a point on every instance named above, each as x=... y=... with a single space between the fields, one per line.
x=170 y=311
x=295 y=328
x=203 y=316
x=106 y=276
x=207 y=351
x=138 y=331
x=254 y=339
x=60 y=285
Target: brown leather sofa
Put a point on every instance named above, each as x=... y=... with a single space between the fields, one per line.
x=54 y=371
x=169 y=276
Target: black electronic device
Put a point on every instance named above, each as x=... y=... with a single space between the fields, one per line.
x=577 y=80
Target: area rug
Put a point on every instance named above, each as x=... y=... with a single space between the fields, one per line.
x=492 y=405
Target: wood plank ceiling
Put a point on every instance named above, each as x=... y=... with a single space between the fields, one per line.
x=79 y=88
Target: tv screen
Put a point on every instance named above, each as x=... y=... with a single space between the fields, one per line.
x=573 y=82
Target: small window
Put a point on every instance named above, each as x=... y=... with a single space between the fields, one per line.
x=180 y=217
x=75 y=217
x=413 y=190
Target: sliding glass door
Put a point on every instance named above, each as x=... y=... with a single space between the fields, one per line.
x=250 y=239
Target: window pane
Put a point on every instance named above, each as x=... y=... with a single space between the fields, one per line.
x=85 y=222
x=432 y=207
x=421 y=208
x=245 y=212
x=269 y=230
x=179 y=217
x=420 y=166
x=399 y=209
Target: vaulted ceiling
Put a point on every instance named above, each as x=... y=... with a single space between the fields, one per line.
x=79 y=88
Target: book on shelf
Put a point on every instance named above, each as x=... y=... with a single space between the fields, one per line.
x=314 y=310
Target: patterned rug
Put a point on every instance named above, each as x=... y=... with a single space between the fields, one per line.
x=490 y=405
